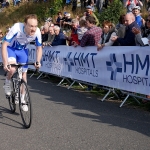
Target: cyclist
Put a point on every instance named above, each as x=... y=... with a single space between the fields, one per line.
x=14 y=49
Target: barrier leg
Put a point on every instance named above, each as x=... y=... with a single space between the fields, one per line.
x=31 y=75
x=105 y=95
x=39 y=76
x=81 y=85
x=71 y=84
x=68 y=81
x=124 y=100
x=61 y=81
x=136 y=100
x=45 y=76
x=115 y=93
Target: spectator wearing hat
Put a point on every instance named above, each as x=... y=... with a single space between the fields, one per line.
x=67 y=21
x=137 y=14
x=89 y=12
x=130 y=4
x=63 y=19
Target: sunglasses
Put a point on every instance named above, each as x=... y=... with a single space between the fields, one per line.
x=148 y=20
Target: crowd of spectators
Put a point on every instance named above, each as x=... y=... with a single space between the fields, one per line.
x=85 y=30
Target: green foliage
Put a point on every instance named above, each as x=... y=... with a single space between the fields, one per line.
x=43 y=10
x=112 y=13
x=48 y=9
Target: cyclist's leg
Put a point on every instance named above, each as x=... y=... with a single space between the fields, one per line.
x=11 y=60
x=22 y=57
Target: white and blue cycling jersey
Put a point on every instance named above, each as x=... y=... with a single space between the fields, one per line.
x=18 y=41
x=18 y=38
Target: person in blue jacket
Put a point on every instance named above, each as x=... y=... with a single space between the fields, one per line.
x=129 y=38
x=60 y=38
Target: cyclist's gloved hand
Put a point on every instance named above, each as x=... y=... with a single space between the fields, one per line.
x=37 y=65
x=7 y=67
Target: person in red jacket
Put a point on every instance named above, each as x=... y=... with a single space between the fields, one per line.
x=73 y=38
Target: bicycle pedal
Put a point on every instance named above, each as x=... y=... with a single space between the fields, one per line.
x=16 y=101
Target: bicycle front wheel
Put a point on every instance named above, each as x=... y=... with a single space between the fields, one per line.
x=26 y=115
x=11 y=98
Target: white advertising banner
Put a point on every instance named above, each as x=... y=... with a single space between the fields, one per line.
x=121 y=67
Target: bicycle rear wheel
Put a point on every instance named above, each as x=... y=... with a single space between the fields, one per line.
x=25 y=115
x=11 y=98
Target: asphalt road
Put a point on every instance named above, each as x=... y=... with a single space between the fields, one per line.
x=70 y=120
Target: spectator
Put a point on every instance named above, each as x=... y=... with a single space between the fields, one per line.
x=121 y=27
x=129 y=38
x=85 y=3
x=82 y=29
x=89 y=12
x=145 y=32
x=148 y=11
x=51 y=36
x=137 y=14
x=108 y=32
x=48 y=21
x=60 y=38
x=5 y=3
x=148 y=4
x=84 y=16
x=93 y=34
x=91 y=3
x=45 y=35
x=130 y=4
x=73 y=38
x=42 y=32
x=63 y=19
x=74 y=5
x=99 y=5
x=59 y=17
x=67 y=22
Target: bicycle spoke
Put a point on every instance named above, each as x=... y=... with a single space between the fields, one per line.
x=25 y=115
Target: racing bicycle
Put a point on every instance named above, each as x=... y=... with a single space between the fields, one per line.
x=19 y=86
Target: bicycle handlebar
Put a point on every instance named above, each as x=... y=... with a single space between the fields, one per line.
x=19 y=65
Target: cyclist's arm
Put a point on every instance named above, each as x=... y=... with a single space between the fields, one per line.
x=38 y=41
x=38 y=53
x=4 y=53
